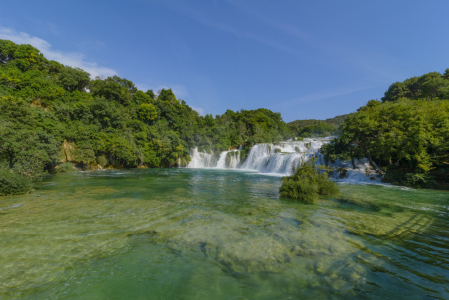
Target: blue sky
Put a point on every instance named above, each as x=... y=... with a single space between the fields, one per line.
x=304 y=59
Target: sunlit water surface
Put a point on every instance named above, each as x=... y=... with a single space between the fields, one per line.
x=217 y=234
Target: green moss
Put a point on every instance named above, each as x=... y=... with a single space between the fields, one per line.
x=207 y=149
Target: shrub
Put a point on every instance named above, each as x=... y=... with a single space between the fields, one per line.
x=419 y=180
x=307 y=183
x=416 y=180
x=302 y=188
x=102 y=160
x=66 y=167
x=14 y=183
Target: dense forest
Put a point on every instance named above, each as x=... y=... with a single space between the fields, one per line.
x=317 y=128
x=52 y=114
x=405 y=136
x=54 y=118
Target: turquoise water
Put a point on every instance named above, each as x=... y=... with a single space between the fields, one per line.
x=217 y=234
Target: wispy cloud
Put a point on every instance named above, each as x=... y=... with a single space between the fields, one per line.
x=206 y=20
x=374 y=63
x=72 y=59
x=322 y=96
x=198 y=110
x=241 y=33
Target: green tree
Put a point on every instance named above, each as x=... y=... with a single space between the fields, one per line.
x=147 y=112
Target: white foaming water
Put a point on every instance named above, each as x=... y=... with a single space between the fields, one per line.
x=221 y=163
x=282 y=160
x=201 y=159
x=234 y=161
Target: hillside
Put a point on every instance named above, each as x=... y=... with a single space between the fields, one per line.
x=51 y=114
x=312 y=127
x=335 y=121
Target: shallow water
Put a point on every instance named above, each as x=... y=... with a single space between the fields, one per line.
x=202 y=234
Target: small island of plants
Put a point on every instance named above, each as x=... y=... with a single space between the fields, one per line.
x=307 y=183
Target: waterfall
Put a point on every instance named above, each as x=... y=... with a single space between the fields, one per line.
x=282 y=159
x=234 y=161
x=200 y=159
x=221 y=163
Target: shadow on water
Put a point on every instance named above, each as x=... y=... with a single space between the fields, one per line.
x=402 y=252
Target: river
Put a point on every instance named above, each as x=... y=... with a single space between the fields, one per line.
x=185 y=233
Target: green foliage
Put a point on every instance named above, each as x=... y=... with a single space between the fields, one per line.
x=317 y=128
x=73 y=79
x=166 y=95
x=51 y=113
x=113 y=88
x=147 y=112
x=102 y=160
x=151 y=94
x=307 y=183
x=141 y=98
x=430 y=86
x=66 y=167
x=13 y=183
x=404 y=137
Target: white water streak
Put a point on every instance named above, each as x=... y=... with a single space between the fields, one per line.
x=282 y=160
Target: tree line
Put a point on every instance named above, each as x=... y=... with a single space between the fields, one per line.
x=52 y=113
x=405 y=135
x=317 y=128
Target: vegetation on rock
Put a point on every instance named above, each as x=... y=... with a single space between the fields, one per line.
x=307 y=183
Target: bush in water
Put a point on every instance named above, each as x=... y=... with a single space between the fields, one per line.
x=13 y=183
x=307 y=183
x=66 y=168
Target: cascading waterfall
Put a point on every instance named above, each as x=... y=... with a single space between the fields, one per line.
x=234 y=158
x=282 y=160
x=201 y=159
x=221 y=163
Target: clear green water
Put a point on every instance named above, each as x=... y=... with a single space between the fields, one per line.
x=210 y=234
